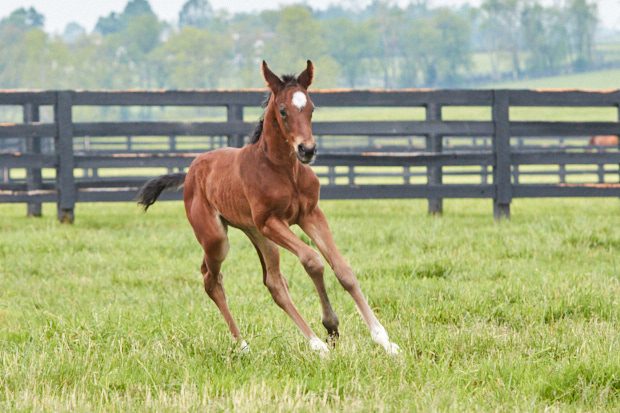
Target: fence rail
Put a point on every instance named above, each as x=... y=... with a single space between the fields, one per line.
x=383 y=151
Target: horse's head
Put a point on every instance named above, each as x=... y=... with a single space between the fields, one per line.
x=293 y=110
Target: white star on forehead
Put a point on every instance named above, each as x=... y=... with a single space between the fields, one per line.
x=299 y=100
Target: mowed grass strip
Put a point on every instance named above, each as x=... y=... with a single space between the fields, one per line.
x=109 y=314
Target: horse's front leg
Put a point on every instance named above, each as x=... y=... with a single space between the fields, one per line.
x=315 y=225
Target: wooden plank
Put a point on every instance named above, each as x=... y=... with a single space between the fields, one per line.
x=578 y=98
x=161 y=128
x=501 y=149
x=404 y=128
x=382 y=128
x=63 y=143
x=26 y=130
x=170 y=98
x=122 y=195
x=137 y=160
x=327 y=192
x=401 y=98
x=21 y=197
x=566 y=190
x=20 y=98
x=553 y=129
x=563 y=157
x=405 y=191
x=254 y=97
x=27 y=160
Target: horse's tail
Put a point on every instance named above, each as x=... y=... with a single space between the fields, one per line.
x=150 y=191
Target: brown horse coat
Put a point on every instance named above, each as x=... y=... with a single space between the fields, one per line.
x=262 y=189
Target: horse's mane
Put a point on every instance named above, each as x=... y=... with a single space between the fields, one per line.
x=288 y=80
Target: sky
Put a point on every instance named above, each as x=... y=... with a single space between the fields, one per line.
x=86 y=12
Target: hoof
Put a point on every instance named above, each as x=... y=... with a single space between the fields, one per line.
x=379 y=335
x=332 y=339
x=392 y=349
x=244 y=347
x=317 y=345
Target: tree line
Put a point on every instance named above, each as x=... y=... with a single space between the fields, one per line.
x=380 y=45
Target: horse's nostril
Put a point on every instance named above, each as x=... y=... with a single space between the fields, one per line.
x=305 y=150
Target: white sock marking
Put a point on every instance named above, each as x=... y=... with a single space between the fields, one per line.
x=317 y=344
x=380 y=336
x=299 y=100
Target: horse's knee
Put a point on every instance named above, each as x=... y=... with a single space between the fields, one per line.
x=313 y=264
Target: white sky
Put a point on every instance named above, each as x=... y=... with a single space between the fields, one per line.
x=60 y=12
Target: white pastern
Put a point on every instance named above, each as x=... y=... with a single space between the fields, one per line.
x=380 y=336
x=317 y=344
x=299 y=100
x=244 y=347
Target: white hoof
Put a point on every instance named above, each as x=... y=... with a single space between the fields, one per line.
x=317 y=344
x=244 y=347
x=392 y=349
x=380 y=336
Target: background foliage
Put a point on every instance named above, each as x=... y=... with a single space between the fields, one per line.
x=380 y=45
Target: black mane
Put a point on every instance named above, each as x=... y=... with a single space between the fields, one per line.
x=288 y=80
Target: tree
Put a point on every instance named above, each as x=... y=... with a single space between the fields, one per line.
x=545 y=35
x=195 y=58
x=348 y=45
x=196 y=13
x=581 y=23
x=502 y=31
x=436 y=49
x=73 y=32
x=24 y=19
x=114 y=22
x=386 y=22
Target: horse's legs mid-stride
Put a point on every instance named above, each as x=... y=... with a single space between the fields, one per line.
x=316 y=227
x=277 y=286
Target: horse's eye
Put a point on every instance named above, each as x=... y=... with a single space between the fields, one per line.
x=283 y=113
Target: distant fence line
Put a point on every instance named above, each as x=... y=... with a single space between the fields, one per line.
x=489 y=145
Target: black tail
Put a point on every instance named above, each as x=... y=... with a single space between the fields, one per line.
x=150 y=191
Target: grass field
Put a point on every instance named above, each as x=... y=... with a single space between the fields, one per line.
x=109 y=314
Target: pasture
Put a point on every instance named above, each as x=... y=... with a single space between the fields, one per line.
x=109 y=314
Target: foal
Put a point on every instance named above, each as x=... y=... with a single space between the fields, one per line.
x=263 y=189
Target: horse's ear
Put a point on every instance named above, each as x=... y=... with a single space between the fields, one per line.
x=305 y=78
x=273 y=81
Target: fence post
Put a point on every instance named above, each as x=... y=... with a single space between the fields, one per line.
x=618 y=109
x=434 y=144
x=501 y=152
x=33 y=145
x=235 y=114
x=63 y=143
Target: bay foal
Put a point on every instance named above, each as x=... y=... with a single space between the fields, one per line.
x=262 y=189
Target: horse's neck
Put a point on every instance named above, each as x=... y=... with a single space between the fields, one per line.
x=274 y=143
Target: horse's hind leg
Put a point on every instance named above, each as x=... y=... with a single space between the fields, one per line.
x=215 y=290
x=211 y=234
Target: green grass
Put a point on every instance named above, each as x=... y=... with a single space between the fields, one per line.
x=109 y=314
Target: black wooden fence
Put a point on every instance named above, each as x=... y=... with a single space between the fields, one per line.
x=384 y=161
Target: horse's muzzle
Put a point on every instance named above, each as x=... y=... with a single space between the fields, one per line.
x=306 y=154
